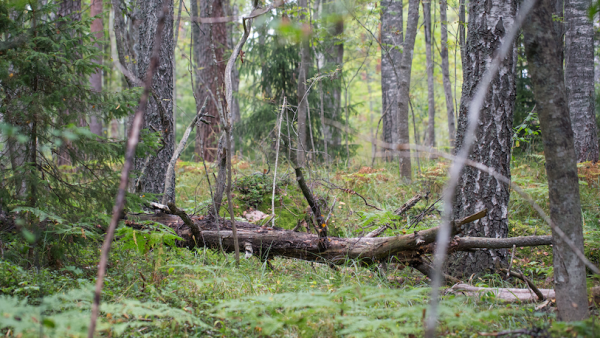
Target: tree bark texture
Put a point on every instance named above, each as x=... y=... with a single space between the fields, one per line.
x=548 y=82
x=210 y=42
x=70 y=9
x=302 y=92
x=391 y=55
x=429 y=65
x=404 y=86
x=488 y=23
x=96 y=78
x=446 y=72
x=579 y=78
x=159 y=114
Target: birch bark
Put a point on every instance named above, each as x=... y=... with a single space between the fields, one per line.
x=579 y=78
x=488 y=23
x=391 y=56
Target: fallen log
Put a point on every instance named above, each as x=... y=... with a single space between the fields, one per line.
x=504 y=294
x=272 y=241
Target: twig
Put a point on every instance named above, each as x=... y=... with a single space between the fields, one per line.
x=512 y=256
x=352 y=192
x=169 y=186
x=522 y=277
x=132 y=142
x=331 y=209
x=277 y=159
x=400 y=211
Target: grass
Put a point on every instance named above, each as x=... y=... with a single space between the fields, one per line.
x=176 y=292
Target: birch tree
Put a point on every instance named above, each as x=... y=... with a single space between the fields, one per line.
x=488 y=23
x=391 y=56
x=579 y=61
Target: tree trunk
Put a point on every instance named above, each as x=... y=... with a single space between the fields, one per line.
x=579 y=78
x=545 y=67
x=404 y=86
x=334 y=60
x=96 y=78
x=446 y=72
x=429 y=65
x=488 y=23
x=159 y=114
x=391 y=56
x=210 y=41
x=302 y=92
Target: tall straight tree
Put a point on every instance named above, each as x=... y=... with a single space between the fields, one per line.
x=391 y=56
x=159 y=113
x=334 y=59
x=302 y=92
x=429 y=65
x=545 y=66
x=579 y=60
x=96 y=78
x=446 y=71
x=209 y=42
x=488 y=23
x=404 y=86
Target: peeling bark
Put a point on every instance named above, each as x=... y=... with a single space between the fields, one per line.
x=488 y=22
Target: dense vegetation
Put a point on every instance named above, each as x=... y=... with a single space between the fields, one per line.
x=58 y=182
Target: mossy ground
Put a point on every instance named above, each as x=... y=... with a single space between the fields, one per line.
x=202 y=293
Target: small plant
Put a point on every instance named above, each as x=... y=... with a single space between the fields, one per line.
x=253 y=188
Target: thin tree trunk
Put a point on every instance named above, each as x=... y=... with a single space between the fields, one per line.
x=488 y=23
x=176 y=32
x=446 y=72
x=429 y=62
x=462 y=28
x=334 y=58
x=391 y=57
x=404 y=86
x=207 y=71
x=545 y=67
x=96 y=78
x=302 y=92
x=579 y=78
x=156 y=117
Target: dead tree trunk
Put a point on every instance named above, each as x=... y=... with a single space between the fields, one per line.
x=475 y=190
x=268 y=242
x=545 y=67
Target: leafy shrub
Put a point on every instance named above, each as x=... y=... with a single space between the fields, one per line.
x=253 y=188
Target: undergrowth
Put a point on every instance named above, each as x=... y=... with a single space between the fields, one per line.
x=155 y=289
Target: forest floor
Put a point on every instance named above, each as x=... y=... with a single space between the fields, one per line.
x=156 y=290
